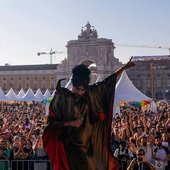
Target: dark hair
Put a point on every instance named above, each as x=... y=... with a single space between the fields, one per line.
x=168 y=130
x=141 y=150
x=158 y=136
x=81 y=75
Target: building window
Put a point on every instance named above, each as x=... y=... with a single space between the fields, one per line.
x=148 y=93
x=27 y=85
x=35 y=86
x=11 y=84
x=43 y=85
x=168 y=83
x=159 y=95
x=52 y=85
x=4 y=86
x=148 y=85
x=19 y=85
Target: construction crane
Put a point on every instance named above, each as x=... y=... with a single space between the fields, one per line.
x=143 y=46
x=50 y=53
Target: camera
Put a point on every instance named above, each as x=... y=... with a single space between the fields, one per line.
x=123 y=158
x=139 y=159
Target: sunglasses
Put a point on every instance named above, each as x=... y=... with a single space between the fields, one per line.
x=140 y=154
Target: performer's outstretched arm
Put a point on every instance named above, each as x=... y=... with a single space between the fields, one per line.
x=126 y=66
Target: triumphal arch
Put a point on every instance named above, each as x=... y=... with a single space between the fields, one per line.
x=96 y=53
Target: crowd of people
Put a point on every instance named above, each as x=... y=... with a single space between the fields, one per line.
x=142 y=138
x=139 y=138
x=21 y=127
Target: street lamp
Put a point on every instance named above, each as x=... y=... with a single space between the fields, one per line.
x=50 y=53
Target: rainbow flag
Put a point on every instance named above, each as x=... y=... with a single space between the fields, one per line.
x=139 y=104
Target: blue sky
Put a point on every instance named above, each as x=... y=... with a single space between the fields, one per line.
x=31 y=26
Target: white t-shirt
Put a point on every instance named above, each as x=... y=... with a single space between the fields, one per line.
x=161 y=154
x=166 y=144
x=125 y=152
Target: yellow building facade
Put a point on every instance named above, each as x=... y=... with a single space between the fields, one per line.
x=28 y=76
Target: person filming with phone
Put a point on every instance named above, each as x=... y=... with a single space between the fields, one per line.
x=140 y=162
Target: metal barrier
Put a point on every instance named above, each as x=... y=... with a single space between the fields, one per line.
x=4 y=165
x=30 y=165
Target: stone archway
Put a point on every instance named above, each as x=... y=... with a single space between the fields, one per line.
x=87 y=62
x=93 y=68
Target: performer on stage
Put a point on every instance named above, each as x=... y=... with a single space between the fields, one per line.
x=78 y=133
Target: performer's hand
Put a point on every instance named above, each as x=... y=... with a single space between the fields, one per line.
x=126 y=66
x=129 y=64
x=76 y=123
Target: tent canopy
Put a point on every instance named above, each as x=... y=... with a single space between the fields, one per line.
x=29 y=96
x=12 y=95
x=21 y=93
x=39 y=96
x=47 y=94
x=126 y=91
x=2 y=95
